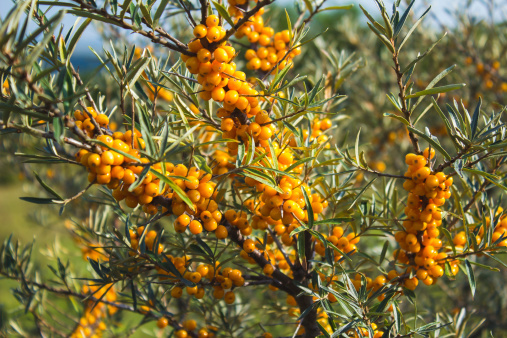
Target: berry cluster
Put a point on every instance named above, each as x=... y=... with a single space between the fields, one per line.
x=216 y=70
x=419 y=241
x=347 y=244
x=273 y=53
x=499 y=236
x=91 y=323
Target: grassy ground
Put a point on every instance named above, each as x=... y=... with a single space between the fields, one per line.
x=26 y=222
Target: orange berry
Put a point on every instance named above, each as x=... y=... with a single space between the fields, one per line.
x=183 y=220
x=94 y=160
x=200 y=31
x=426 y=153
x=249 y=246
x=162 y=322
x=221 y=232
x=221 y=55
x=212 y=21
x=195 y=227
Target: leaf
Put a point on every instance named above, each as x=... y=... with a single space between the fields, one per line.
x=382 y=37
x=475 y=118
x=433 y=143
x=139 y=179
x=125 y=7
x=201 y=163
x=223 y=13
x=397 y=117
x=338 y=220
x=47 y=187
x=309 y=208
x=336 y=8
x=300 y=246
x=420 y=57
x=405 y=39
x=433 y=82
x=356 y=148
x=360 y=193
x=37 y=200
x=298 y=230
x=174 y=187
x=482 y=173
x=289 y=26
x=73 y=42
x=387 y=22
x=471 y=277
x=383 y=253
x=160 y=10
x=403 y=18
x=274 y=158
x=136 y=71
x=261 y=177
x=146 y=13
x=437 y=90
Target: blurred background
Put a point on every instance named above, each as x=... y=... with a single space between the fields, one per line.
x=475 y=43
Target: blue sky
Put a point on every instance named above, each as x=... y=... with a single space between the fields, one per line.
x=440 y=7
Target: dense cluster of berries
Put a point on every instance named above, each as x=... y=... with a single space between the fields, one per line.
x=216 y=71
x=91 y=323
x=317 y=132
x=284 y=207
x=498 y=237
x=270 y=50
x=91 y=249
x=346 y=244
x=419 y=242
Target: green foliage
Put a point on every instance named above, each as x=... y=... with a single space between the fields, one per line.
x=343 y=74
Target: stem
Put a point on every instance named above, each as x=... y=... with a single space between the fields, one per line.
x=406 y=112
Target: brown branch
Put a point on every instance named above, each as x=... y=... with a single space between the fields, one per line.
x=125 y=25
x=246 y=17
x=204 y=11
x=189 y=15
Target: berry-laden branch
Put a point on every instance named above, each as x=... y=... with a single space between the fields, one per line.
x=286 y=284
x=246 y=17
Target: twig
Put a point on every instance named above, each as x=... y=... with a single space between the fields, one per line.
x=79 y=194
x=280 y=247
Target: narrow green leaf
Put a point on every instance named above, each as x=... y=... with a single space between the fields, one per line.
x=437 y=90
x=298 y=230
x=358 y=196
x=403 y=19
x=475 y=118
x=434 y=144
x=471 y=277
x=223 y=13
x=174 y=187
x=47 y=187
x=309 y=208
x=75 y=38
x=397 y=117
x=412 y=29
x=382 y=38
x=160 y=10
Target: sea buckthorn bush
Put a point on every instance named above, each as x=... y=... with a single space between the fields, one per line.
x=227 y=171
